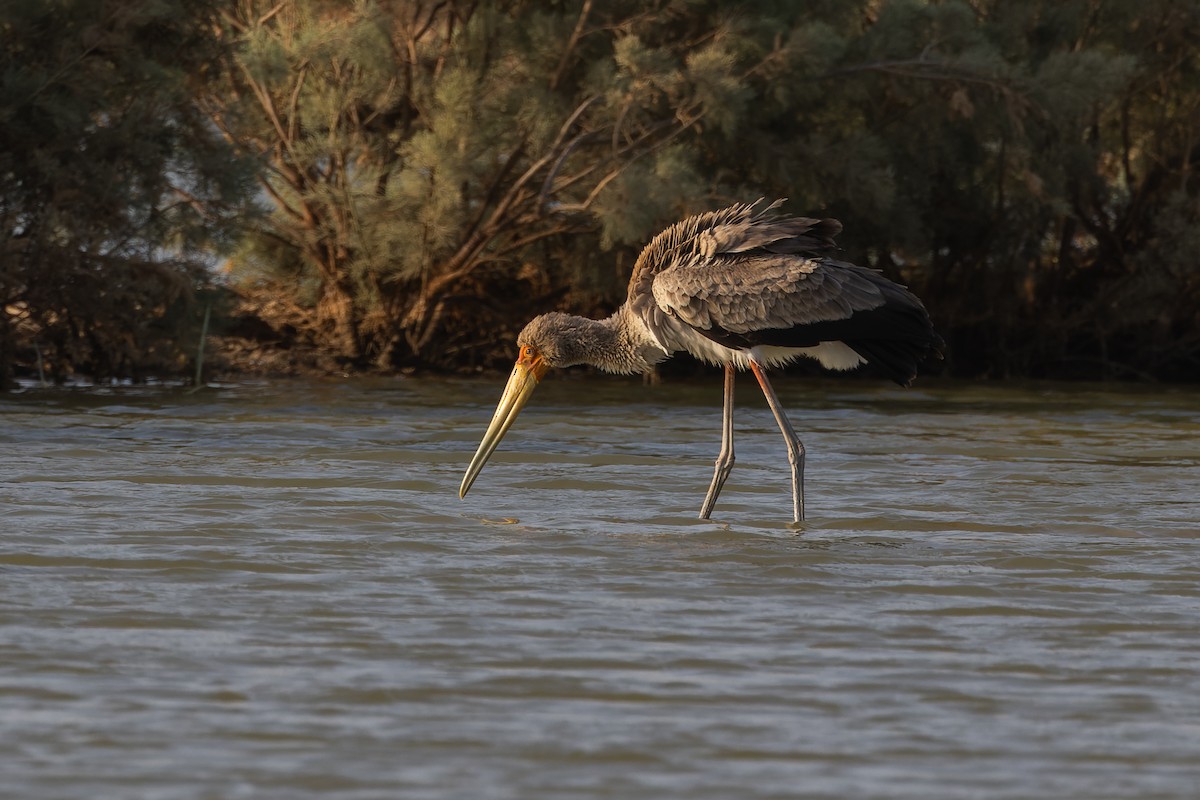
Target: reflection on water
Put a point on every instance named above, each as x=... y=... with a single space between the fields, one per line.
x=273 y=591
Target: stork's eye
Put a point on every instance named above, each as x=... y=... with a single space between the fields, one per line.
x=528 y=352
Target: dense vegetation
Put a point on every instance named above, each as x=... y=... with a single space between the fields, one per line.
x=112 y=185
x=430 y=174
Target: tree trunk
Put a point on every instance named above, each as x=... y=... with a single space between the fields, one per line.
x=7 y=356
x=336 y=318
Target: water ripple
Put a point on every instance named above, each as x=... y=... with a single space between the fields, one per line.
x=272 y=590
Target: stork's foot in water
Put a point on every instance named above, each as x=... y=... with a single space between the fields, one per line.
x=795 y=447
x=725 y=458
x=796 y=459
x=721 y=472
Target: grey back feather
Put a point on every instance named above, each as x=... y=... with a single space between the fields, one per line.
x=746 y=269
x=742 y=294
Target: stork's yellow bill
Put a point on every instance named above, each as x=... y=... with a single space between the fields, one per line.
x=526 y=373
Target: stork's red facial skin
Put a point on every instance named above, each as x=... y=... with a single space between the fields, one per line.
x=532 y=360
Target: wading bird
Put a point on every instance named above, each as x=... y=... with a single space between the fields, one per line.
x=742 y=287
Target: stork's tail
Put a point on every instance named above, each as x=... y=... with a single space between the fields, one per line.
x=900 y=358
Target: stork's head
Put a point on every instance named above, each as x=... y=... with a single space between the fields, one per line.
x=558 y=339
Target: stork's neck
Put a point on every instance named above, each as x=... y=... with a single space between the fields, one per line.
x=621 y=343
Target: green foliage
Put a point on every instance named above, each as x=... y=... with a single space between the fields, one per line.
x=419 y=153
x=110 y=180
x=996 y=155
x=645 y=192
x=438 y=171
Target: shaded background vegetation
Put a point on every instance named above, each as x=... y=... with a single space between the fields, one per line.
x=399 y=184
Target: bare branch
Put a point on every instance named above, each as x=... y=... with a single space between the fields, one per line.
x=571 y=43
x=268 y=16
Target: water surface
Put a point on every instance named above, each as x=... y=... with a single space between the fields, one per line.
x=272 y=591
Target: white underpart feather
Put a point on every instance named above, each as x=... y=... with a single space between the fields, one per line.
x=831 y=355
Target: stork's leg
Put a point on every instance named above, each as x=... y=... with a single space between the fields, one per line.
x=725 y=457
x=795 y=447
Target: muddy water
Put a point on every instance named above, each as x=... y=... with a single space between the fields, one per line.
x=273 y=591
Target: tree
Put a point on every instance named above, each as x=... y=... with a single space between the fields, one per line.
x=419 y=152
x=438 y=170
x=1030 y=167
x=110 y=181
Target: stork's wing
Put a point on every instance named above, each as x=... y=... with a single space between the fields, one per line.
x=756 y=296
x=738 y=231
x=745 y=278
x=789 y=301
